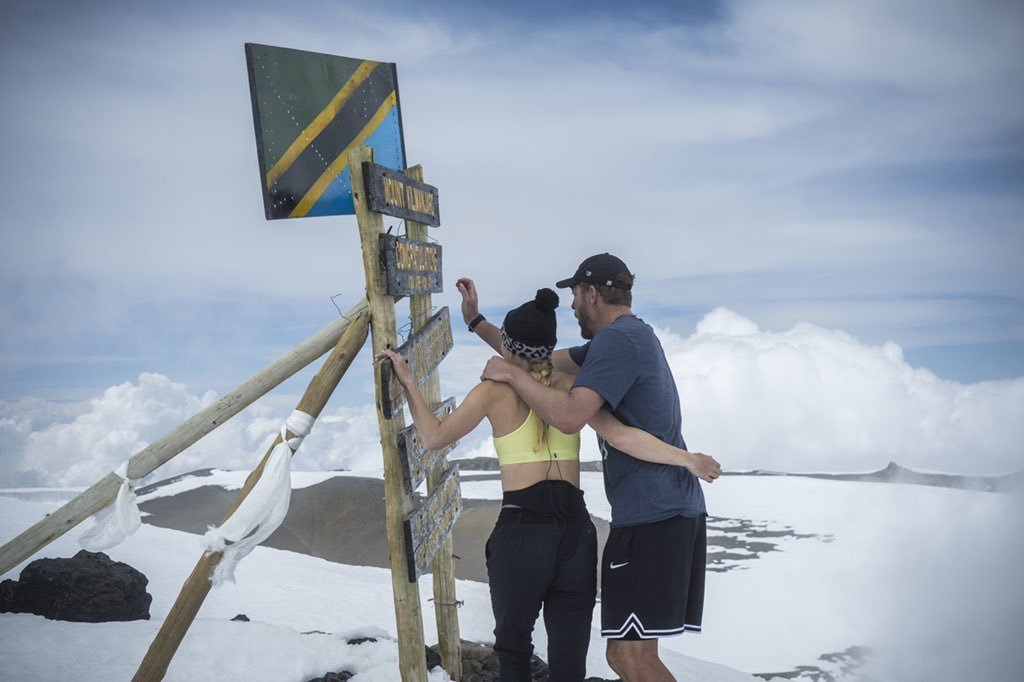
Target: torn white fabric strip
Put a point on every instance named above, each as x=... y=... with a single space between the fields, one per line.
x=116 y=521
x=300 y=424
x=263 y=509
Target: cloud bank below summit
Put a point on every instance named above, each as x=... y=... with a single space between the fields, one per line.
x=806 y=399
x=811 y=399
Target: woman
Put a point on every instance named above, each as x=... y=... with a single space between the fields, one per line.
x=543 y=549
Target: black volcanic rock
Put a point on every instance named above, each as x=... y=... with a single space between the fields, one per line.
x=87 y=588
x=479 y=664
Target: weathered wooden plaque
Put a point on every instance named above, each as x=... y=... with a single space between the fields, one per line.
x=410 y=267
x=417 y=461
x=424 y=350
x=428 y=527
x=396 y=194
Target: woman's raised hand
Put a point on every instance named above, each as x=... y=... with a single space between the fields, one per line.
x=470 y=299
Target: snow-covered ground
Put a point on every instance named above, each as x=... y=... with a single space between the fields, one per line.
x=924 y=578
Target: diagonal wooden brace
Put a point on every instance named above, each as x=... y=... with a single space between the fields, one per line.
x=197 y=586
x=147 y=460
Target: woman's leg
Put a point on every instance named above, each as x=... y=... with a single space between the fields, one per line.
x=520 y=565
x=568 y=609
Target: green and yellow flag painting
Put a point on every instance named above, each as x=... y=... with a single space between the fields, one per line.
x=309 y=110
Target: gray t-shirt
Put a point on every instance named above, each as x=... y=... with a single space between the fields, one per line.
x=626 y=365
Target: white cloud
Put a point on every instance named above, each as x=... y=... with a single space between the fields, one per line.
x=812 y=399
x=806 y=399
x=81 y=450
x=125 y=419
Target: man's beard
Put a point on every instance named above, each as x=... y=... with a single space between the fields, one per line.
x=586 y=331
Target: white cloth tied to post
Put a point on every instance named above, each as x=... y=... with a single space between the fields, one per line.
x=264 y=508
x=116 y=521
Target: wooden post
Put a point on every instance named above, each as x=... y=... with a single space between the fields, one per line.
x=193 y=593
x=398 y=504
x=150 y=458
x=445 y=599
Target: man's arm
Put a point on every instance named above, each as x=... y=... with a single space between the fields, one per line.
x=490 y=333
x=567 y=412
x=642 y=445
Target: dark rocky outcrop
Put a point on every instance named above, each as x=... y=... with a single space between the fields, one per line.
x=334 y=677
x=87 y=588
x=479 y=664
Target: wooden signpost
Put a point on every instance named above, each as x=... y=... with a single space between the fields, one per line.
x=424 y=350
x=446 y=601
x=420 y=462
x=329 y=141
x=428 y=527
x=416 y=536
x=394 y=194
x=411 y=267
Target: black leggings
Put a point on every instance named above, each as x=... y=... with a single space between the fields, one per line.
x=535 y=560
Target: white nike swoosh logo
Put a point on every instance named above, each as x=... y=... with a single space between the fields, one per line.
x=613 y=566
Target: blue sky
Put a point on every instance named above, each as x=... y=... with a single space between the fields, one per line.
x=856 y=166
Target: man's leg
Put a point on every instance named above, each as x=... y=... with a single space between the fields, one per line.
x=652 y=586
x=637 y=661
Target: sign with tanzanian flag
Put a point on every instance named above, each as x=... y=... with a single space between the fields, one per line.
x=309 y=110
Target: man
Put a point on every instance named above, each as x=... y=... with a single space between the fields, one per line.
x=652 y=582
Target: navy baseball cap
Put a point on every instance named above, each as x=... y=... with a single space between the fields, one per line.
x=602 y=269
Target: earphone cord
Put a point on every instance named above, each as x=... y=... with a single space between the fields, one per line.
x=555 y=504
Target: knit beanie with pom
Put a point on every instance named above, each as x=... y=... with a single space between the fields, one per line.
x=530 y=330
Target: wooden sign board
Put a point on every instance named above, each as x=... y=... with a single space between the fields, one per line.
x=410 y=267
x=427 y=528
x=396 y=194
x=309 y=110
x=424 y=350
x=417 y=461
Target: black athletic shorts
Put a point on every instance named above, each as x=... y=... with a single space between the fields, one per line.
x=652 y=579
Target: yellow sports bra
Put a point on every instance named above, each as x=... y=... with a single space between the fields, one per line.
x=518 y=447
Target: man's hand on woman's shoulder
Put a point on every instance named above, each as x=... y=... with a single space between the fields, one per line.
x=497 y=369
